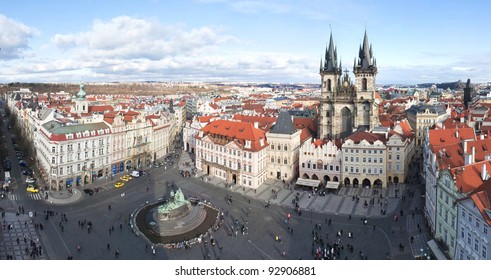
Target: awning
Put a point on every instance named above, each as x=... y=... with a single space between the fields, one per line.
x=308 y=182
x=436 y=250
x=332 y=185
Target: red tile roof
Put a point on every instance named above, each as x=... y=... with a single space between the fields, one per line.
x=359 y=136
x=448 y=136
x=224 y=131
x=264 y=122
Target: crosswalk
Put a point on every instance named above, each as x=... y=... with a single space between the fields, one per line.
x=25 y=196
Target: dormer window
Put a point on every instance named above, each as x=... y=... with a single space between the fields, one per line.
x=248 y=144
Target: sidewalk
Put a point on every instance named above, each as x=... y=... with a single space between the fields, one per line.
x=63 y=197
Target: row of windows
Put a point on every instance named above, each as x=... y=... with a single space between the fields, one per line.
x=356 y=151
x=478 y=223
x=476 y=243
x=79 y=145
x=70 y=157
x=319 y=166
x=364 y=159
x=364 y=169
x=70 y=168
x=224 y=149
x=278 y=147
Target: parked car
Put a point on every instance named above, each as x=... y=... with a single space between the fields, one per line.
x=23 y=163
x=119 y=185
x=135 y=173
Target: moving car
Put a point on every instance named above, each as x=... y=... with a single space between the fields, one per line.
x=32 y=189
x=30 y=180
x=89 y=191
x=118 y=185
x=125 y=178
x=135 y=173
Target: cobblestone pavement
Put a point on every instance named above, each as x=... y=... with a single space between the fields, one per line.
x=18 y=233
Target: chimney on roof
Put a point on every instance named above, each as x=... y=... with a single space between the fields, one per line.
x=484 y=172
x=457 y=133
x=256 y=124
x=473 y=160
x=482 y=136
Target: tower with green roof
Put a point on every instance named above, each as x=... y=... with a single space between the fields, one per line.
x=81 y=104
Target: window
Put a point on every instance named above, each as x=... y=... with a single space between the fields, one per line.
x=285 y=161
x=462 y=233
x=285 y=148
x=272 y=148
x=364 y=159
x=476 y=244
x=390 y=156
x=477 y=223
x=381 y=170
x=469 y=238
x=381 y=160
x=346 y=158
x=272 y=161
x=53 y=149
x=53 y=160
x=352 y=159
x=397 y=157
x=325 y=166
x=485 y=230
x=351 y=170
x=303 y=163
x=364 y=151
x=484 y=253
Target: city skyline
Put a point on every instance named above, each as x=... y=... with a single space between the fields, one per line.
x=239 y=41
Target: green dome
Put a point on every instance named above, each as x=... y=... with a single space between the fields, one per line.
x=81 y=93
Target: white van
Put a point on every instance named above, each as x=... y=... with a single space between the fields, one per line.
x=7 y=177
x=135 y=173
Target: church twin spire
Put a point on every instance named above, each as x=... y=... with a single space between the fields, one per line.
x=366 y=61
x=331 y=59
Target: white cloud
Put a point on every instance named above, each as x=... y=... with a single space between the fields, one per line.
x=14 y=38
x=132 y=38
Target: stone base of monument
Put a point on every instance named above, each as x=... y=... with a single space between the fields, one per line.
x=197 y=222
x=193 y=217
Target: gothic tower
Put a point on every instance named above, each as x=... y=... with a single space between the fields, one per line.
x=330 y=73
x=347 y=106
x=365 y=70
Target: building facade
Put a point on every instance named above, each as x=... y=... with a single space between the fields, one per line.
x=235 y=152
x=364 y=160
x=284 y=145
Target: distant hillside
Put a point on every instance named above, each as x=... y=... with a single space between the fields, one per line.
x=452 y=85
x=150 y=89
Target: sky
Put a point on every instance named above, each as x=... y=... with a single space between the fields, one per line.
x=240 y=40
